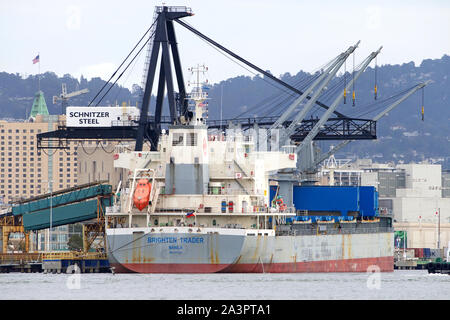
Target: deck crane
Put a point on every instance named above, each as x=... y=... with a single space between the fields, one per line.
x=305 y=151
x=331 y=72
x=64 y=96
x=307 y=157
x=335 y=149
x=333 y=68
x=334 y=105
x=286 y=178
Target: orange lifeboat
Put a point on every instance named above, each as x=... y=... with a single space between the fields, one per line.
x=141 y=195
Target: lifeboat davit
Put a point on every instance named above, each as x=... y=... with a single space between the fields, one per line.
x=141 y=195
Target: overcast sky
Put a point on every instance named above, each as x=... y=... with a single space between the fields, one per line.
x=93 y=37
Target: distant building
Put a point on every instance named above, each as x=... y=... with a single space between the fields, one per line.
x=419 y=208
x=26 y=171
x=446 y=183
x=417 y=195
x=96 y=162
x=385 y=177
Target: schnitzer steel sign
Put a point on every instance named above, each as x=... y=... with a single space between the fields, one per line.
x=99 y=116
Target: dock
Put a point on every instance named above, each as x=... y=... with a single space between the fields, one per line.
x=20 y=262
x=85 y=203
x=90 y=262
x=54 y=262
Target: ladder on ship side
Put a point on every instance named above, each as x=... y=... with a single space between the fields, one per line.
x=237 y=180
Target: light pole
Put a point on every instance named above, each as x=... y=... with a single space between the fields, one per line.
x=50 y=188
x=439 y=228
x=51 y=209
x=404 y=244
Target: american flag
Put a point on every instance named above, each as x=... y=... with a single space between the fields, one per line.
x=36 y=60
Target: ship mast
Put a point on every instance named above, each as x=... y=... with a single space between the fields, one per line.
x=199 y=96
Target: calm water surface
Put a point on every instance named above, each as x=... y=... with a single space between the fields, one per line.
x=401 y=284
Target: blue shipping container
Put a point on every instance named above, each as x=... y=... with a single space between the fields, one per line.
x=337 y=199
x=326 y=198
x=368 y=201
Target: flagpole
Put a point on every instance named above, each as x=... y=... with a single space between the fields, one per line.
x=39 y=72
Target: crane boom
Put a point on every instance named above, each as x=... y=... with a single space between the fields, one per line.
x=300 y=99
x=76 y=93
x=376 y=118
x=64 y=96
x=334 y=105
x=301 y=115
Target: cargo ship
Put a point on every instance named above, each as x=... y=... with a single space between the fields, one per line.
x=202 y=203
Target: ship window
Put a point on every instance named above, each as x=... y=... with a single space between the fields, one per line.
x=191 y=139
x=177 y=139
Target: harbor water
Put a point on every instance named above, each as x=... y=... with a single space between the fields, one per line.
x=397 y=285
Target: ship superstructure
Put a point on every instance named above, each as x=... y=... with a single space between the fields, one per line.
x=209 y=210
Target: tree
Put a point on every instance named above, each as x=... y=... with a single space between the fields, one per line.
x=75 y=242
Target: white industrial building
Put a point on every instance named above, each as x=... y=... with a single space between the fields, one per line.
x=417 y=195
x=419 y=208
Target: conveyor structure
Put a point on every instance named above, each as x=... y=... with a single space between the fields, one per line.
x=67 y=206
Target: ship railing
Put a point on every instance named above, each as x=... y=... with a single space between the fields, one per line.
x=239 y=138
x=220 y=192
x=160 y=9
x=234 y=192
x=113 y=209
x=245 y=173
x=153 y=156
x=250 y=210
x=288 y=149
x=127 y=120
x=124 y=123
x=330 y=230
x=147 y=155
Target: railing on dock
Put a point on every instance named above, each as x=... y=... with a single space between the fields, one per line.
x=73 y=255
